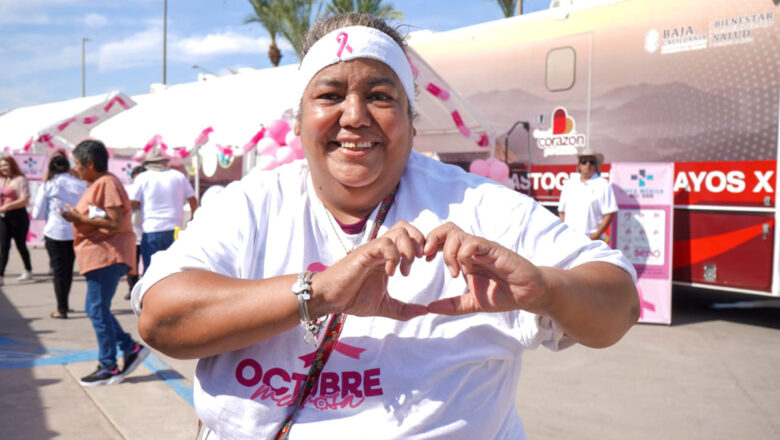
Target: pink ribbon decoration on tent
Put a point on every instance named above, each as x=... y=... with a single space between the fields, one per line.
x=46 y=139
x=203 y=137
x=28 y=145
x=253 y=142
x=115 y=100
x=444 y=96
x=227 y=151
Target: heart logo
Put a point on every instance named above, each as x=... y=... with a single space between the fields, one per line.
x=562 y=123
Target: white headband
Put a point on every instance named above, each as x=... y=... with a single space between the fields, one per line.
x=355 y=42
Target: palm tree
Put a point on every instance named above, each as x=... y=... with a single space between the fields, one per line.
x=267 y=14
x=508 y=7
x=373 y=7
x=295 y=17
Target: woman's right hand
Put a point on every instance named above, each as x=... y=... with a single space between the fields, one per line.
x=357 y=284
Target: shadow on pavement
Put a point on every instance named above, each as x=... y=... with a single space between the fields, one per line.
x=20 y=403
x=691 y=306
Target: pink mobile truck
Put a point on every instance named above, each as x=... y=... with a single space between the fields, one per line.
x=693 y=82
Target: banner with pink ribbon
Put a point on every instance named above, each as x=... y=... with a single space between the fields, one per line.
x=642 y=230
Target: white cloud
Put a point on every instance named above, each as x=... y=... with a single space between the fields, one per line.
x=95 y=20
x=145 y=48
x=224 y=43
x=139 y=49
x=30 y=11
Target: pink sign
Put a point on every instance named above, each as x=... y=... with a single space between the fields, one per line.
x=642 y=230
x=121 y=168
x=32 y=165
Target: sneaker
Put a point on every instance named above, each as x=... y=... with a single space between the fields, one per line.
x=127 y=295
x=134 y=358
x=102 y=376
x=25 y=276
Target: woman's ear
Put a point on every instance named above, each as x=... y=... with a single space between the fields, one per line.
x=297 y=127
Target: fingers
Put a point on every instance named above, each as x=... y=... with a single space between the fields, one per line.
x=409 y=243
x=392 y=308
x=457 y=305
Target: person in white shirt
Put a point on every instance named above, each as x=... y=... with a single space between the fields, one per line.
x=160 y=192
x=132 y=278
x=59 y=189
x=588 y=204
x=419 y=284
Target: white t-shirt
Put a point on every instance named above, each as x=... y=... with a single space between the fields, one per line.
x=434 y=376
x=586 y=203
x=135 y=216
x=162 y=195
x=52 y=198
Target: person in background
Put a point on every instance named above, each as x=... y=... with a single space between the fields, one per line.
x=133 y=277
x=14 y=220
x=370 y=291
x=105 y=250
x=588 y=204
x=59 y=189
x=160 y=192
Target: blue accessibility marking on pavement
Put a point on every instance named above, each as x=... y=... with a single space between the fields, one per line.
x=172 y=378
x=16 y=354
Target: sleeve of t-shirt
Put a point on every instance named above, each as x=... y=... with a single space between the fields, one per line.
x=188 y=190
x=134 y=190
x=562 y=201
x=109 y=194
x=539 y=236
x=608 y=201
x=41 y=204
x=22 y=186
x=215 y=240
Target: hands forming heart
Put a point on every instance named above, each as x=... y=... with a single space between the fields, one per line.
x=498 y=279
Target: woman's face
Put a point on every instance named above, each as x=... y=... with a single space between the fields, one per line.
x=356 y=130
x=5 y=169
x=84 y=171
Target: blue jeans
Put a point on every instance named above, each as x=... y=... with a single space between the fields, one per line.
x=152 y=242
x=101 y=286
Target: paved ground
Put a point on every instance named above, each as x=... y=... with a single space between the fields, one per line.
x=712 y=375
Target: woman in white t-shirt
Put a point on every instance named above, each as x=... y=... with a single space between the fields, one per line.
x=59 y=190
x=446 y=277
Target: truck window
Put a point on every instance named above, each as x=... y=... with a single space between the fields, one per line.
x=561 y=63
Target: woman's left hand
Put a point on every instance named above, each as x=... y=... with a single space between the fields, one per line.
x=498 y=279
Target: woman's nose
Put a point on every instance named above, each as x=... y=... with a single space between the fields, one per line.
x=355 y=111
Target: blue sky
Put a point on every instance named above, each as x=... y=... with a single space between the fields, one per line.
x=40 y=42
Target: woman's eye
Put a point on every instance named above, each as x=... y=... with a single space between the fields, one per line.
x=329 y=96
x=380 y=96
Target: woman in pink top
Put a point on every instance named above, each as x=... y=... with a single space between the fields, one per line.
x=14 y=221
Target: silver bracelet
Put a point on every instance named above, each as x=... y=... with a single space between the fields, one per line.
x=302 y=290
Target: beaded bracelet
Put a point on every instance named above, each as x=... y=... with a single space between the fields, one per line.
x=302 y=290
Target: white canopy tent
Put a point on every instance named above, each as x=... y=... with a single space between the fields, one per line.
x=236 y=106
x=60 y=124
